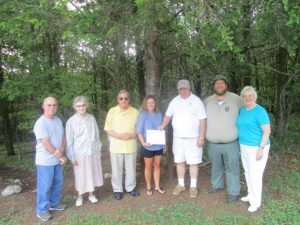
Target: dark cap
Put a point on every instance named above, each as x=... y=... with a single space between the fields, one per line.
x=183 y=84
x=220 y=77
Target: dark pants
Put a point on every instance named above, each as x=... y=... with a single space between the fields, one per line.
x=225 y=159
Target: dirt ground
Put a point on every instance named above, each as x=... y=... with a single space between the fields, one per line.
x=22 y=206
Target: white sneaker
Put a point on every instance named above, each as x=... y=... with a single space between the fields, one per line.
x=245 y=199
x=79 y=202
x=252 y=208
x=93 y=199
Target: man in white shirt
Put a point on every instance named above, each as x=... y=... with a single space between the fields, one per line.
x=189 y=123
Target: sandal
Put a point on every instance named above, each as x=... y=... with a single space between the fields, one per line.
x=149 y=192
x=160 y=190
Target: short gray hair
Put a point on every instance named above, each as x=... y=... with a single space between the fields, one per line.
x=250 y=89
x=122 y=92
x=80 y=99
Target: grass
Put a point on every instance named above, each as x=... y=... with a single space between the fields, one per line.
x=282 y=210
x=281 y=204
x=183 y=214
x=26 y=163
x=275 y=212
x=281 y=207
x=285 y=182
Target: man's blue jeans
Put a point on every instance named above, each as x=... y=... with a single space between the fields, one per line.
x=49 y=182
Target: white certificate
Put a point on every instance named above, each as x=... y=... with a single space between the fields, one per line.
x=156 y=137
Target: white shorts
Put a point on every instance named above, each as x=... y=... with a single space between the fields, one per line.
x=187 y=150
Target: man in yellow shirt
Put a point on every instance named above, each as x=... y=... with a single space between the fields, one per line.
x=120 y=126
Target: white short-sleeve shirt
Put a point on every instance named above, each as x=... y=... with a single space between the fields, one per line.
x=186 y=115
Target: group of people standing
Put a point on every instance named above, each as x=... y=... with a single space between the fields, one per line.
x=233 y=126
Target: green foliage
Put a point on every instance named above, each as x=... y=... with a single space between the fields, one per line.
x=26 y=157
x=293 y=10
x=290 y=142
x=139 y=3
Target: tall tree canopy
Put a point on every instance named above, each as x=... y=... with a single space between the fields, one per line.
x=97 y=47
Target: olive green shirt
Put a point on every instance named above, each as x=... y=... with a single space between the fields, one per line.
x=221 y=118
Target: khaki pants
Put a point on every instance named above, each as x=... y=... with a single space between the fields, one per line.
x=117 y=162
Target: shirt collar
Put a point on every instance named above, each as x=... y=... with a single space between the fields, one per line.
x=79 y=118
x=186 y=98
x=120 y=110
x=225 y=99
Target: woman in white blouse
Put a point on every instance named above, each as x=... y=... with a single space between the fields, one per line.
x=83 y=150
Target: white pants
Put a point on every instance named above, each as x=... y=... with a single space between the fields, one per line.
x=254 y=171
x=117 y=162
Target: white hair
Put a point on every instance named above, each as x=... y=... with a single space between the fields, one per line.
x=80 y=99
x=250 y=89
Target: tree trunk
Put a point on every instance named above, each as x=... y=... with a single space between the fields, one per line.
x=246 y=10
x=140 y=71
x=121 y=62
x=198 y=87
x=7 y=131
x=94 y=93
x=281 y=103
x=153 y=67
x=169 y=143
x=8 y=134
x=104 y=86
x=139 y=59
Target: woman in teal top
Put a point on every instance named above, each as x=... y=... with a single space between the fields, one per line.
x=253 y=131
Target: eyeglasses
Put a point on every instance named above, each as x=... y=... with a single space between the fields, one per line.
x=51 y=105
x=78 y=106
x=125 y=99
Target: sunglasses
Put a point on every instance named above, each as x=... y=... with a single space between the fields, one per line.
x=125 y=99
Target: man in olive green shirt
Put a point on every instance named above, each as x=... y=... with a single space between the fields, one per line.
x=120 y=126
x=222 y=109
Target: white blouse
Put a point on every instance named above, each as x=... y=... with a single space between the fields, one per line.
x=82 y=136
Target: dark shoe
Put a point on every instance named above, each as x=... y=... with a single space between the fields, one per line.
x=45 y=216
x=118 y=195
x=232 y=198
x=213 y=190
x=59 y=207
x=134 y=192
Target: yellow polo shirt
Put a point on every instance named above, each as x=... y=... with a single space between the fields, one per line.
x=121 y=122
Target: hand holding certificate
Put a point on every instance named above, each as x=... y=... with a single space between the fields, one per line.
x=156 y=137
